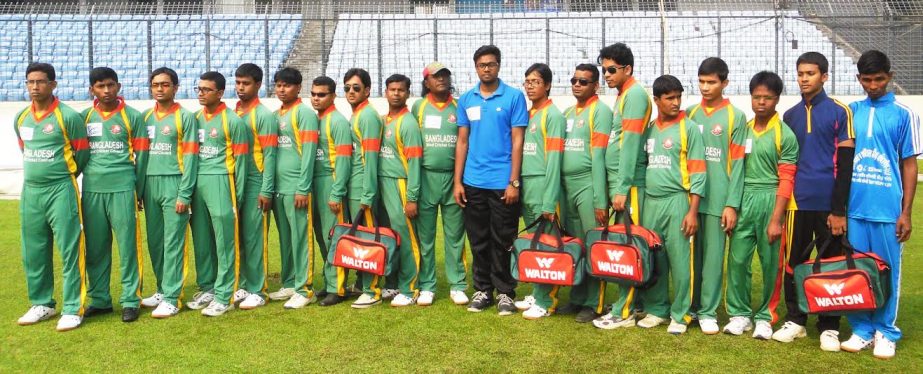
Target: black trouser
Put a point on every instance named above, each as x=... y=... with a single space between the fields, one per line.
x=805 y=227
x=491 y=226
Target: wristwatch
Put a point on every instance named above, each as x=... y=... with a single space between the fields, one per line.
x=514 y=183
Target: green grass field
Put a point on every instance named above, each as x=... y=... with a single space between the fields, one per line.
x=440 y=338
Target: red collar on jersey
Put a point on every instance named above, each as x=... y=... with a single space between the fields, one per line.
x=284 y=109
x=158 y=110
x=535 y=110
x=330 y=109
x=663 y=125
x=107 y=115
x=208 y=116
x=240 y=110
x=402 y=112
x=52 y=108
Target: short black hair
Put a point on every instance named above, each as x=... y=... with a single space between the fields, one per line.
x=767 y=79
x=216 y=77
x=249 y=70
x=42 y=67
x=590 y=68
x=363 y=75
x=164 y=70
x=665 y=84
x=814 y=58
x=398 y=78
x=324 y=80
x=489 y=49
x=288 y=75
x=872 y=62
x=618 y=52
x=102 y=73
x=714 y=65
x=543 y=71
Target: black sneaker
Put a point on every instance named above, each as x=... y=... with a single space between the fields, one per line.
x=321 y=294
x=94 y=311
x=331 y=299
x=480 y=301
x=129 y=314
x=586 y=315
x=505 y=305
x=568 y=309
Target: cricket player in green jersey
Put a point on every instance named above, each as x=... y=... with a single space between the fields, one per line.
x=257 y=202
x=55 y=150
x=399 y=178
x=172 y=167
x=721 y=125
x=224 y=158
x=298 y=133
x=435 y=111
x=332 y=168
x=675 y=182
x=771 y=153
x=365 y=125
x=112 y=185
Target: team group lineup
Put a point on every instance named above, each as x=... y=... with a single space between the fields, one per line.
x=715 y=186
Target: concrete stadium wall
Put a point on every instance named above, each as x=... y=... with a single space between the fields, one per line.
x=11 y=158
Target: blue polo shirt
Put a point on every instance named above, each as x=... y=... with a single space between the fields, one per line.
x=490 y=143
x=819 y=124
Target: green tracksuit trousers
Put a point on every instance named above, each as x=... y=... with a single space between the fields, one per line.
x=708 y=264
x=104 y=213
x=296 y=243
x=215 y=236
x=167 y=236
x=437 y=187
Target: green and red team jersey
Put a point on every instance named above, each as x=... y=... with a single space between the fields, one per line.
x=174 y=146
x=118 y=149
x=54 y=144
x=541 y=151
x=298 y=135
x=224 y=146
x=723 y=129
x=675 y=158
x=366 y=132
x=265 y=134
x=402 y=151
x=768 y=154
x=631 y=113
x=334 y=152
x=440 y=133
x=585 y=140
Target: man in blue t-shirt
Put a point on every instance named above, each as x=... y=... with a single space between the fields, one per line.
x=883 y=185
x=492 y=118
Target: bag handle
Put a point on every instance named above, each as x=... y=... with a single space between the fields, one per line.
x=848 y=250
x=626 y=220
x=542 y=224
x=355 y=225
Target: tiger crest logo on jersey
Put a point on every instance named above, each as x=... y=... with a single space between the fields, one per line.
x=580 y=124
x=166 y=130
x=48 y=129
x=668 y=143
x=717 y=130
x=213 y=134
x=451 y=118
x=388 y=133
x=115 y=129
x=532 y=128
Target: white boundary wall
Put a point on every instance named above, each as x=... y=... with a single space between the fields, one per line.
x=11 y=158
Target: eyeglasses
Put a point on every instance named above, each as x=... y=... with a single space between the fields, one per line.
x=205 y=90
x=355 y=87
x=581 y=81
x=37 y=82
x=320 y=94
x=533 y=83
x=489 y=65
x=763 y=97
x=615 y=68
x=162 y=85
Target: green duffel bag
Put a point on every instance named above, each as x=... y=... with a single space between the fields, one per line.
x=854 y=282
x=366 y=249
x=612 y=257
x=547 y=256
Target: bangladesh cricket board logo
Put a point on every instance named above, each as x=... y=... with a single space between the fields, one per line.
x=717 y=130
x=580 y=124
x=451 y=118
x=532 y=128
x=115 y=130
x=166 y=130
x=388 y=133
x=213 y=134
x=283 y=126
x=668 y=143
x=48 y=129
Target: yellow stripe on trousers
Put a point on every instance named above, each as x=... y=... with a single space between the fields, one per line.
x=265 y=288
x=309 y=283
x=236 y=237
x=414 y=244
x=138 y=252
x=179 y=300
x=341 y=273
x=81 y=250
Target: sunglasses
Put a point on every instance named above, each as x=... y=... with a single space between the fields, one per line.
x=321 y=94
x=613 y=69
x=581 y=81
x=355 y=87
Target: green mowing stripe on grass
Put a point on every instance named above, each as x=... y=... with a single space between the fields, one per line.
x=439 y=338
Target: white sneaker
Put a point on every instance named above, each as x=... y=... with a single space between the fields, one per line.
x=763 y=330
x=651 y=321
x=282 y=294
x=676 y=328
x=69 y=322
x=709 y=326
x=152 y=301
x=458 y=297
x=165 y=310
x=535 y=312
x=365 y=301
x=216 y=309
x=884 y=348
x=401 y=300
x=240 y=295
x=389 y=293
x=297 y=301
x=425 y=298
x=609 y=322
x=526 y=303
x=830 y=341
x=36 y=314
x=252 y=302
x=855 y=344
x=789 y=332
x=201 y=300
x=738 y=325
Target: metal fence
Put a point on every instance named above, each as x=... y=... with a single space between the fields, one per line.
x=389 y=36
